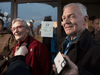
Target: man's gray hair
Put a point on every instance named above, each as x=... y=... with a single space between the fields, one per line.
x=82 y=8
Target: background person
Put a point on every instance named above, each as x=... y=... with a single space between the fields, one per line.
x=7 y=42
x=96 y=28
x=38 y=56
x=30 y=24
x=79 y=48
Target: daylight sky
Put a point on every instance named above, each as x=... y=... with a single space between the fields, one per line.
x=27 y=11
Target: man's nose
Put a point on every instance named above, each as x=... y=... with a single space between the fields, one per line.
x=66 y=21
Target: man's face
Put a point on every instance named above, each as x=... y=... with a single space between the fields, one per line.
x=96 y=24
x=73 y=22
x=1 y=26
x=19 y=31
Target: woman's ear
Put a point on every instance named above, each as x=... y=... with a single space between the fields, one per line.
x=27 y=30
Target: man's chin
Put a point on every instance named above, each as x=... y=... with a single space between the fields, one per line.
x=69 y=33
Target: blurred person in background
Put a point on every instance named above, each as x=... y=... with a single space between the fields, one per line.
x=30 y=24
x=38 y=57
x=96 y=28
x=7 y=42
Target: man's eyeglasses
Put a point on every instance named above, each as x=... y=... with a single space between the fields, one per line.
x=18 y=28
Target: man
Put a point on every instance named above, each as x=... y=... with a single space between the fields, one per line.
x=7 y=41
x=96 y=28
x=80 y=50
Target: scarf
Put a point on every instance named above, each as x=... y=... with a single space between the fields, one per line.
x=21 y=43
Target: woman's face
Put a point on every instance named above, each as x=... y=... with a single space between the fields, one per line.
x=19 y=31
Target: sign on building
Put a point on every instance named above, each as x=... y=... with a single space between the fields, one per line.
x=47 y=29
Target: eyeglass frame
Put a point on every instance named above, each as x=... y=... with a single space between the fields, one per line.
x=13 y=29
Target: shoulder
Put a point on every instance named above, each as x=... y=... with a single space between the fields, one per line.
x=37 y=46
x=8 y=36
x=33 y=41
x=12 y=36
x=95 y=50
x=96 y=43
x=94 y=47
x=87 y=43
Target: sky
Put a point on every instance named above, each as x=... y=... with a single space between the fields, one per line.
x=35 y=11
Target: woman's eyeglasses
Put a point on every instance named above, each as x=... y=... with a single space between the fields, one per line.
x=18 y=28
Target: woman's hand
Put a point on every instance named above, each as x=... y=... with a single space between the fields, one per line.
x=21 y=51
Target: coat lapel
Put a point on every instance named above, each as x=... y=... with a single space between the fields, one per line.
x=31 y=49
x=72 y=55
x=82 y=43
x=72 y=52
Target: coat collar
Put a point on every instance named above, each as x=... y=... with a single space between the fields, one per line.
x=84 y=40
x=33 y=41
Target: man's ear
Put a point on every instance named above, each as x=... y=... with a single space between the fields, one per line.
x=85 y=20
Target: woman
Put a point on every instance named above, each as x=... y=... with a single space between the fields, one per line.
x=38 y=56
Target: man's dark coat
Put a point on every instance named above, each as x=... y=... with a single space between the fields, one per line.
x=85 y=53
